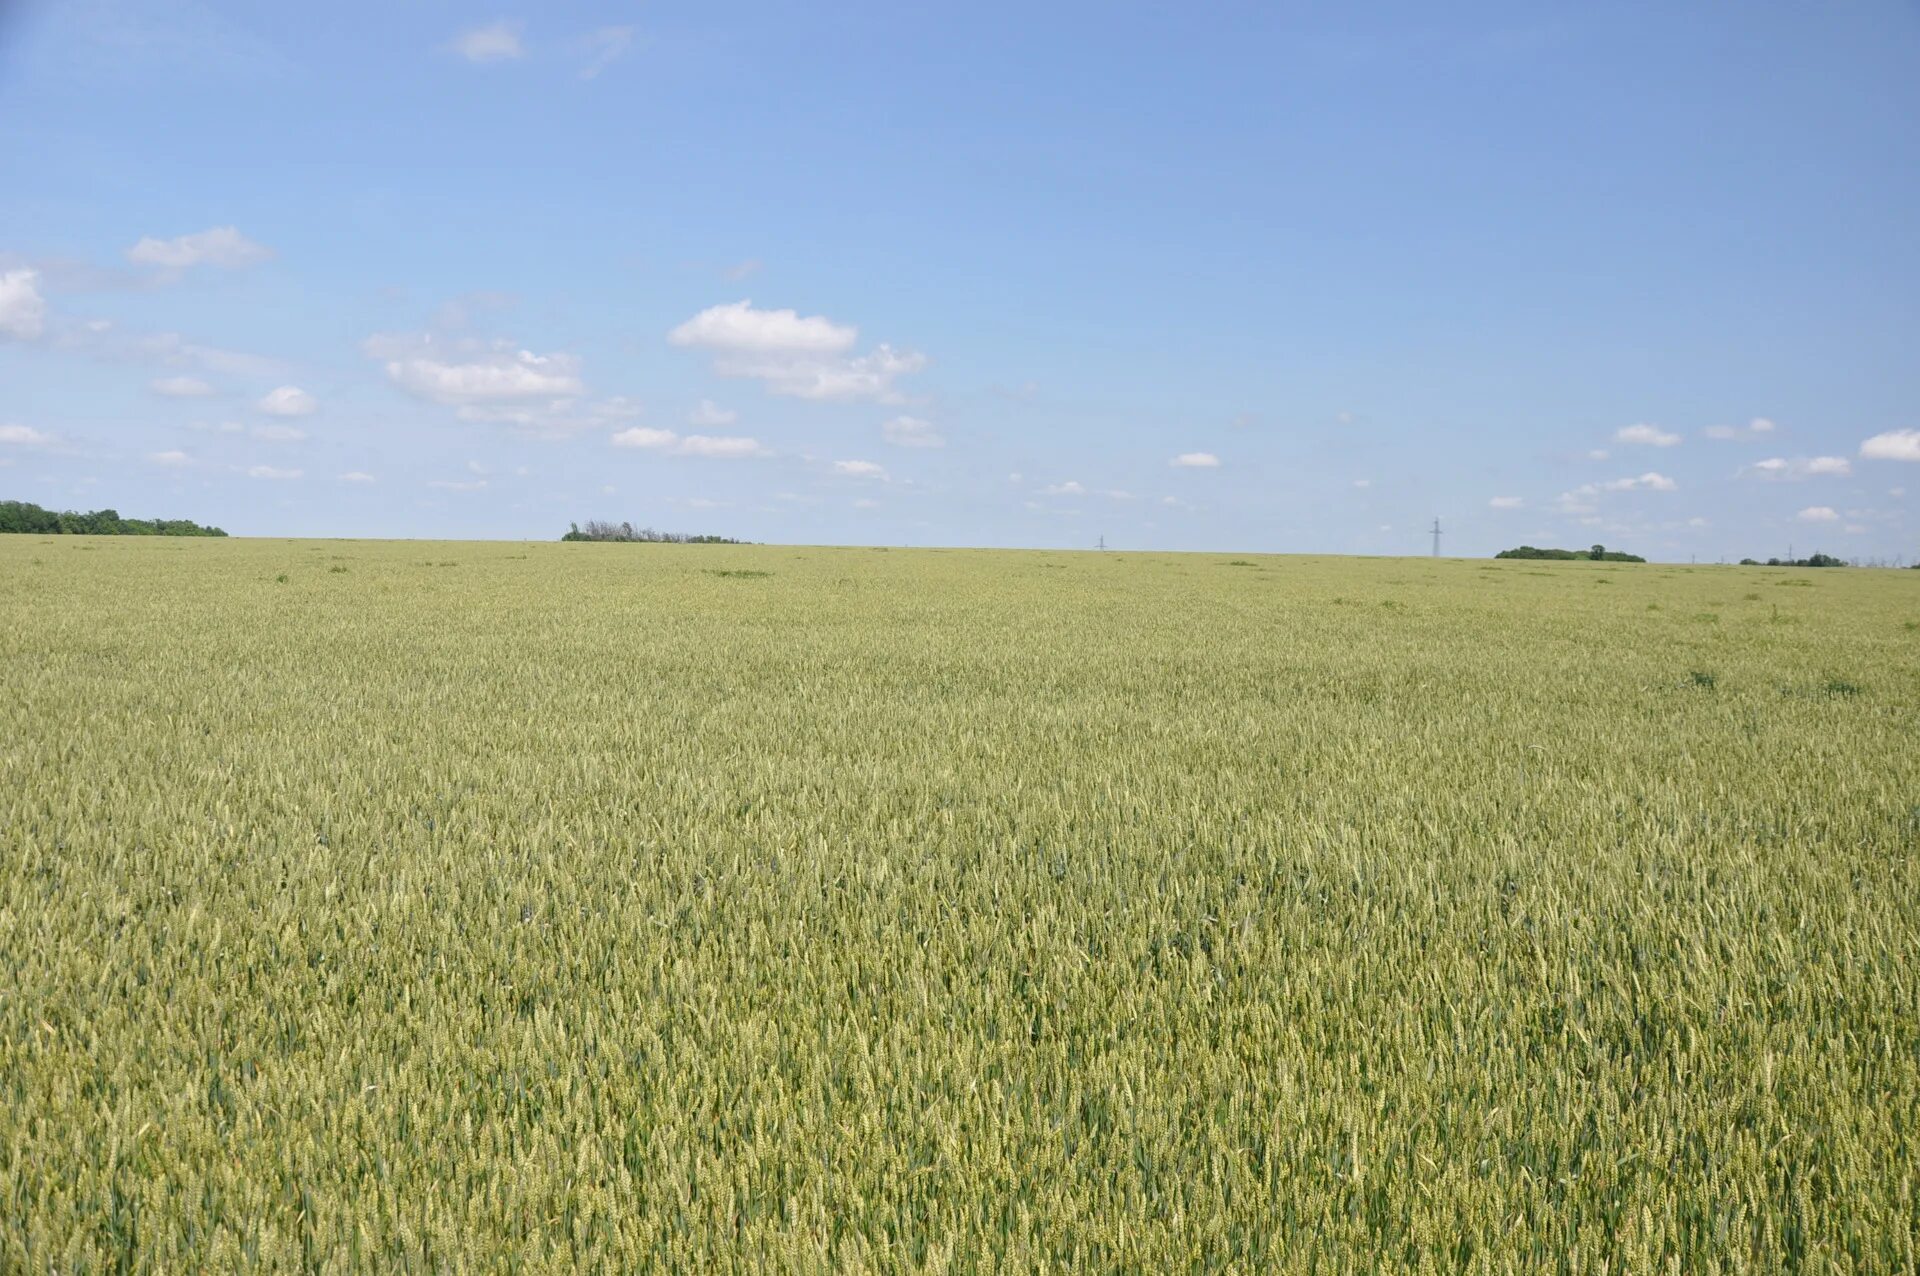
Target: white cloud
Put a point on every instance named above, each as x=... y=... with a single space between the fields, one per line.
x=469 y=374
x=1506 y=502
x=1894 y=445
x=279 y=433
x=23 y=311
x=720 y=447
x=739 y=328
x=1645 y=436
x=269 y=472
x=1195 y=461
x=742 y=269
x=641 y=436
x=1817 y=514
x=1697 y=521
x=1758 y=428
x=495 y=42
x=180 y=387
x=1363 y=482
x=866 y=503
x=1896 y=492
x=710 y=415
x=288 y=400
x=1580 y=499
x=869 y=376
x=1069 y=488
x=801 y=357
x=1648 y=482
x=860 y=469
x=222 y=246
x=24 y=436
x=356 y=476
x=911 y=431
x=1854 y=529
x=1800 y=467
x=607 y=45
x=171 y=458
x=458 y=485
x=1598 y=454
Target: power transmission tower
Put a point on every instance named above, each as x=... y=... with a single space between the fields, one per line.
x=1436 y=537
x=1103 y=541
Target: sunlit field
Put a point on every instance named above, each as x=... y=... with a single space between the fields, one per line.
x=537 y=907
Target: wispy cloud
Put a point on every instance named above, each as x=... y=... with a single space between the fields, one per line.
x=495 y=42
x=912 y=431
x=468 y=374
x=1752 y=431
x=1195 y=461
x=1581 y=499
x=24 y=436
x=23 y=311
x=222 y=246
x=718 y=447
x=1645 y=436
x=1799 y=467
x=606 y=46
x=288 y=400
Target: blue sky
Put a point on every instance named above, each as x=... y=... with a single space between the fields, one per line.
x=1245 y=277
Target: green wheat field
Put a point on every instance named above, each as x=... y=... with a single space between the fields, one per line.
x=543 y=908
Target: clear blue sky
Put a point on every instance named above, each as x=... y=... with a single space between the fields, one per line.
x=1247 y=277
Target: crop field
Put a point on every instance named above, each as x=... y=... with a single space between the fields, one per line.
x=541 y=908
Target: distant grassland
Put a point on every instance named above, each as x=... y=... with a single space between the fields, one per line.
x=499 y=907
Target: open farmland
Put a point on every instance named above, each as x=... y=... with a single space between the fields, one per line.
x=455 y=906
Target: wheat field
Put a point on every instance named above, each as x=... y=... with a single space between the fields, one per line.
x=540 y=908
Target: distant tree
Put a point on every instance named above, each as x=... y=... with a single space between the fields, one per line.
x=1597 y=553
x=595 y=529
x=1815 y=560
x=26 y=517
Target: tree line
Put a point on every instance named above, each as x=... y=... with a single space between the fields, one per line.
x=1818 y=560
x=600 y=530
x=1598 y=554
x=26 y=517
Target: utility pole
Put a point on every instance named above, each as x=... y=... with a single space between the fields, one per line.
x=1436 y=536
